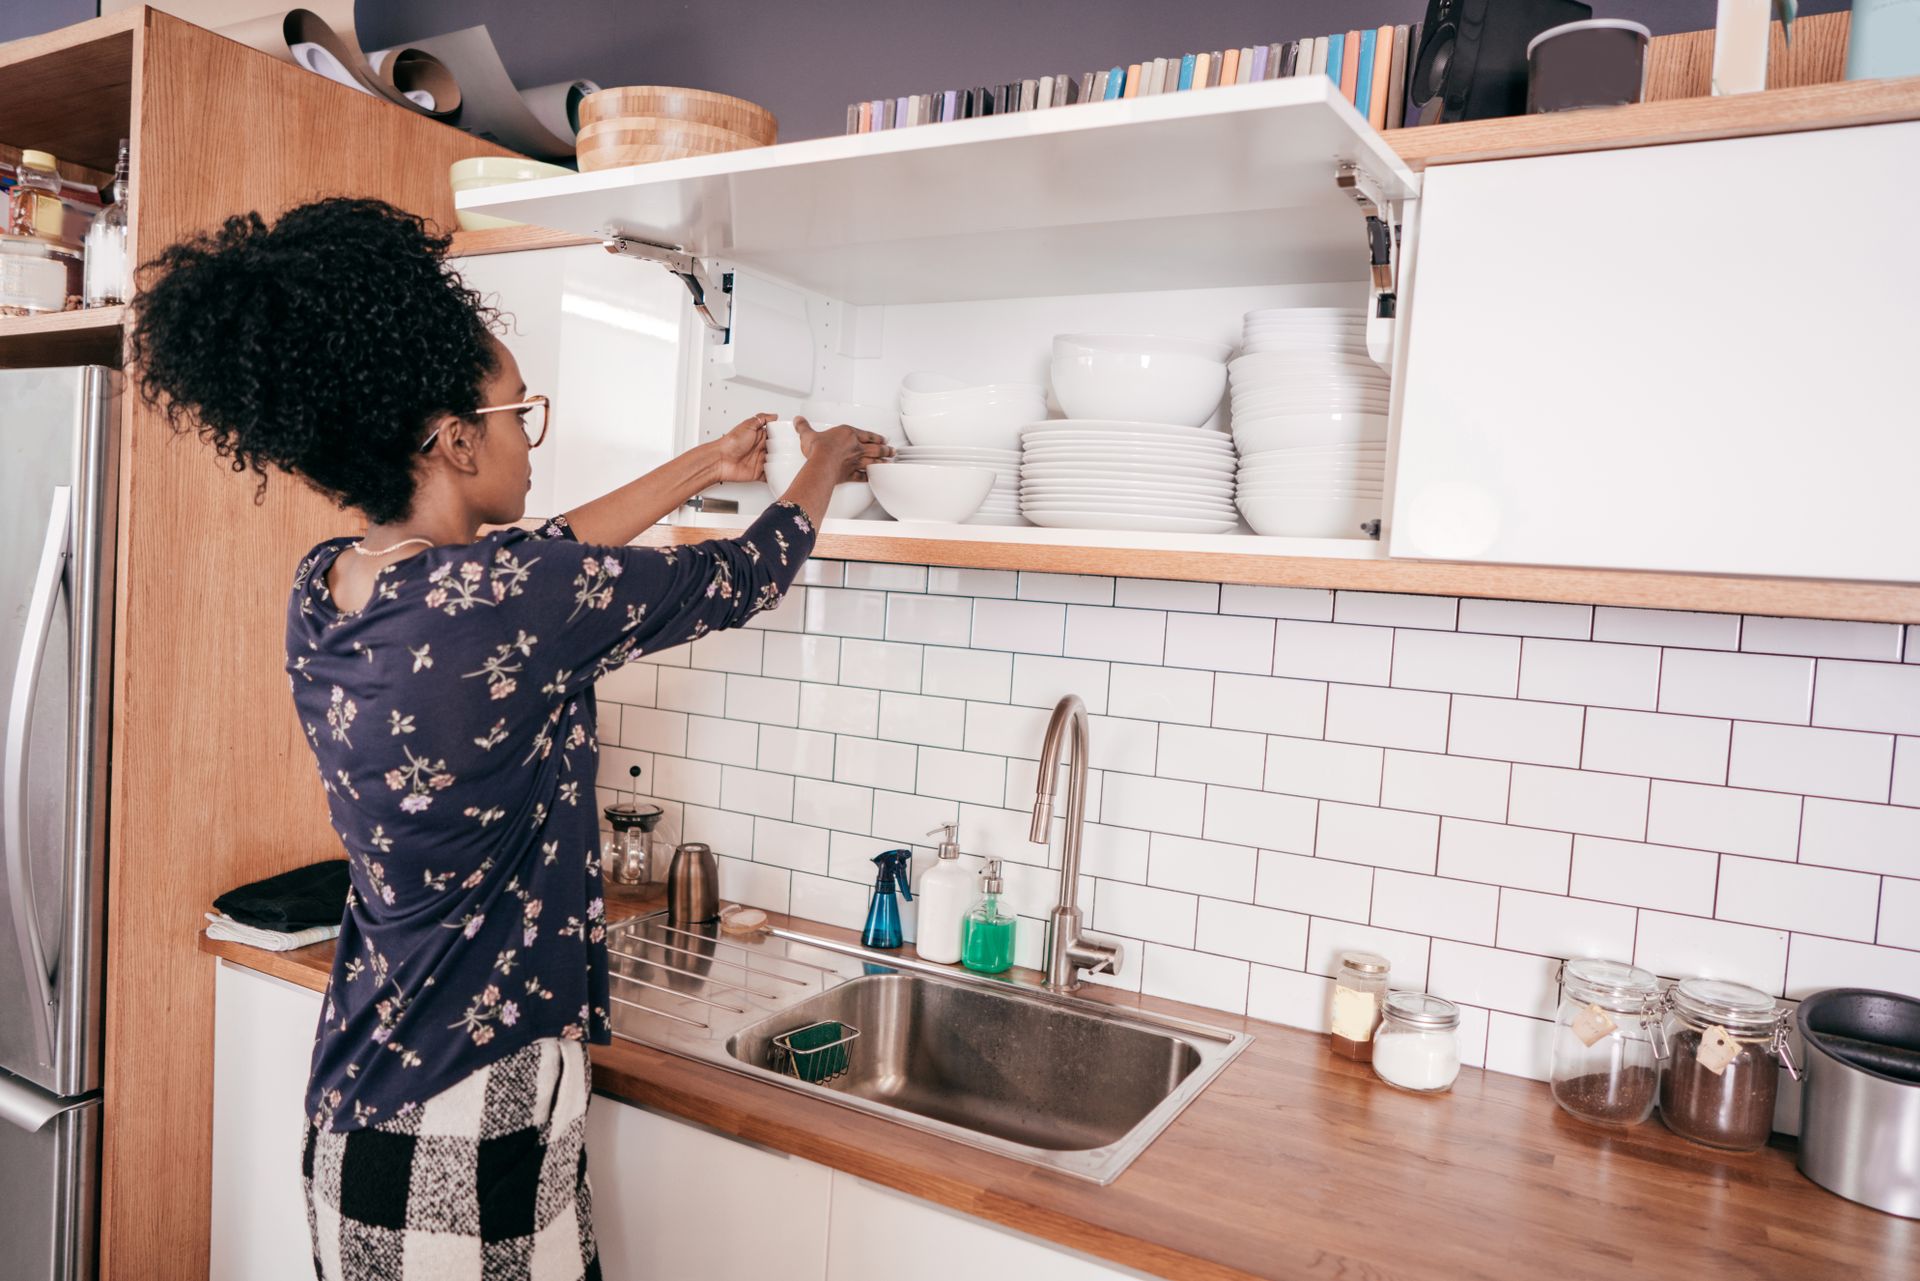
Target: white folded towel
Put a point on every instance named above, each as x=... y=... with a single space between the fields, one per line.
x=224 y=927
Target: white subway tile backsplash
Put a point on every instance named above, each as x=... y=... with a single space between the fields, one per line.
x=1507 y=729
x=1004 y=730
x=1387 y=717
x=1899 y=912
x=1025 y=627
x=1517 y=982
x=1527 y=618
x=1817 y=963
x=1387 y=609
x=837 y=611
x=724 y=830
x=1042 y=681
x=966 y=673
x=1384 y=838
x=1253 y=933
x=1160 y=694
x=1310 y=603
x=1315 y=887
x=1728 y=819
x=803 y=752
x=1456 y=661
x=1689 y=748
x=712 y=738
x=1678 y=947
x=1551 y=925
x=998 y=583
x=729 y=651
x=906 y=819
x=1525 y=858
x=1201 y=867
x=1913 y=643
x=1130 y=746
x=1111 y=853
x=1454 y=785
x=756 y=792
x=616 y=767
x=821 y=898
x=760 y=885
x=1665 y=877
x=1073 y=589
x=1333 y=652
x=929 y=620
x=962 y=776
x=1333 y=771
x=682 y=689
x=1519 y=1046
x=872 y=762
x=695 y=782
x=837 y=806
x=1790 y=896
x=1821 y=638
x=1157 y=593
x=1153 y=804
x=1906 y=772
x=1871 y=696
x=1231 y=757
x=1754 y=687
x=1815 y=762
x=1557 y=671
x=886 y=578
x=1119 y=635
x=1261 y=819
x=790 y=845
x=914 y=718
x=1290 y=997
x=796 y=656
x=837 y=709
x=1142 y=912
x=822 y=573
x=1269 y=704
x=1198 y=978
x=1866 y=838
x=870 y=664
x=1572 y=801
x=631 y=683
x=1435 y=906
x=1666 y=627
x=1407 y=952
x=757 y=698
x=1221 y=643
x=648 y=729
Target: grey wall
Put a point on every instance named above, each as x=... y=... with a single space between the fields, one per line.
x=30 y=17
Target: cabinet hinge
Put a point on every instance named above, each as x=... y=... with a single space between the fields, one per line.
x=712 y=289
x=1383 y=255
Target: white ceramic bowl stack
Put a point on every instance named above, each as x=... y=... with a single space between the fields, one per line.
x=1002 y=503
x=1139 y=377
x=941 y=412
x=1310 y=420
x=1081 y=473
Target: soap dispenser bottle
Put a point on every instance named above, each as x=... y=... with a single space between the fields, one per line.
x=946 y=892
x=883 y=912
x=987 y=945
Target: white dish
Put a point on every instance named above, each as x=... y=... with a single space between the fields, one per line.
x=1130 y=521
x=1363 y=452
x=1098 y=494
x=1297 y=407
x=881 y=420
x=1128 y=503
x=1309 y=491
x=925 y=493
x=1175 y=486
x=1140 y=460
x=1166 y=385
x=1143 y=345
x=1310 y=518
x=1088 y=471
x=1122 y=427
x=990 y=427
x=958 y=451
x=848 y=501
x=1260 y=435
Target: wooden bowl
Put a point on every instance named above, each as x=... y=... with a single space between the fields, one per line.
x=693 y=105
x=609 y=144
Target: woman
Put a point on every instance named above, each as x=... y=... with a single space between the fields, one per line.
x=444 y=680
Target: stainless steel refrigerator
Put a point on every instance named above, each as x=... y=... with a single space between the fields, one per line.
x=58 y=452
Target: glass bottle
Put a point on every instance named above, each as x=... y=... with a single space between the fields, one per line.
x=1726 y=1045
x=986 y=945
x=1607 y=1041
x=34 y=207
x=107 y=260
x=1358 y=990
x=1417 y=1046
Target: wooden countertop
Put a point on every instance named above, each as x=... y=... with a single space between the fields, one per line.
x=1296 y=1164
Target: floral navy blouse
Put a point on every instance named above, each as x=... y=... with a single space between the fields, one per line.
x=453 y=720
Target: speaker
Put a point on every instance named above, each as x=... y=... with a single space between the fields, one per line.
x=1472 y=63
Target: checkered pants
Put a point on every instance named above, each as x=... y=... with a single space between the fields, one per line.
x=486 y=1181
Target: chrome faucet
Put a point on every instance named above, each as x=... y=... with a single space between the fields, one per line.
x=1068 y=950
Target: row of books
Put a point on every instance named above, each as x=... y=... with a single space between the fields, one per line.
x=1374 y=68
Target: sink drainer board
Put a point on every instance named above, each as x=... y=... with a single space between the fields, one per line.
x=1077 y=1086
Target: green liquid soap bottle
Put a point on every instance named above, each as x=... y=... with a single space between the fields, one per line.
x=987 y=935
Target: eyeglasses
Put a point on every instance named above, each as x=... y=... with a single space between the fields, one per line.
x=535 y=415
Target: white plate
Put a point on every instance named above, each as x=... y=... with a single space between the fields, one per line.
x=1142 y=506
x=1102 y=484
x=1115 y=427
x=1172 y=475
x=1158 y=498
x=1131 y=522
x=955 y=452
x=1137 y=454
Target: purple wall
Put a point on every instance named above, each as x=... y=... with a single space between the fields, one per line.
x=31 y=17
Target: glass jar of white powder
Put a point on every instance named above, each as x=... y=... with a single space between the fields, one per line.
x=1357 y=992
x=1418 y=1044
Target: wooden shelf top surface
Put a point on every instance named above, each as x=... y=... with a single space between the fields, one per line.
x=70 y=91
x=90 y=335
x=1294 y=1164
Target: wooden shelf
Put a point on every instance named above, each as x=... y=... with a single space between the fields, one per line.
x=1234 y=186
x=70 y=91
x=91 y=336
x=1363 y=569
x=507 y=240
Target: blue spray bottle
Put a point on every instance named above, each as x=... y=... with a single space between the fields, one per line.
x=883 y=913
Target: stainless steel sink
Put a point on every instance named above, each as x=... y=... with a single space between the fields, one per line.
x=1075 y=1085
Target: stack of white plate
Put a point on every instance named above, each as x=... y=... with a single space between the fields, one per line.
x=1325 y=491
x=1089 y=473
x=1002 y=506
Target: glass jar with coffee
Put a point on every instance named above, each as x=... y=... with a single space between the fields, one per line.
x=1607 y=1041
x=1726 y=1045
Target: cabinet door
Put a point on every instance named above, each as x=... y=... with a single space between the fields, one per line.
x=883 y=1235
x=673 y=1200
x=1691 y=357
x=262 y=1048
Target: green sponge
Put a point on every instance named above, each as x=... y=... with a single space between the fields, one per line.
x=812 y=1055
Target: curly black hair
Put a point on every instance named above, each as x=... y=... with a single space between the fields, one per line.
x=321 y=345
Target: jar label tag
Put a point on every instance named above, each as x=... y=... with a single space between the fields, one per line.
x=1591 y=1024
x=1717 y=1049
x=1355 y=1014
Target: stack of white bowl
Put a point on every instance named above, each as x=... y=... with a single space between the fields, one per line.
x=952 y=423
x=1310 y=420
x=1090 y=473
x=1142 y=378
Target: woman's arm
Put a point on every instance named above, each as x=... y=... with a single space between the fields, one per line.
x=618 y=518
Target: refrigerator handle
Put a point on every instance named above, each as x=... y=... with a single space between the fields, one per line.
x=19 y=872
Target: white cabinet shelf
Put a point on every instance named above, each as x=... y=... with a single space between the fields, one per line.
x=1231 y=186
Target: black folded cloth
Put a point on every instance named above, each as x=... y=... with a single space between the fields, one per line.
x=295 y=900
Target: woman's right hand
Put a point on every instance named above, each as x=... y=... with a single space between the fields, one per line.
x=843 y=451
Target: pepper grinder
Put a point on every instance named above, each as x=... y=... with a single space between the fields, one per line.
x=693 y=886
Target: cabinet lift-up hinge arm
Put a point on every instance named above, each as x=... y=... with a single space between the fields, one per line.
x=712 y=299
x=1383 y=255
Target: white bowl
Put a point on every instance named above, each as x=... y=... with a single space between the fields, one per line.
x=1310 y=517
x=1143 y=345
x=994 y=427
x=849 y=499
x=881 y=420
x=969 y=402
x=1254 y=434
x=946 y=495
x=476 y=172
x=1162 y=387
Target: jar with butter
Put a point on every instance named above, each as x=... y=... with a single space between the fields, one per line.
x=1358 y=991
x=1727 y=1043
x=1607 y=1041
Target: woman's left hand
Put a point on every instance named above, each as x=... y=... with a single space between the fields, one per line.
x=741 y=454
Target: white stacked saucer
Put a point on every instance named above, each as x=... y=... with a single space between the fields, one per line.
x=1082 y=473
x=1002 y=505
